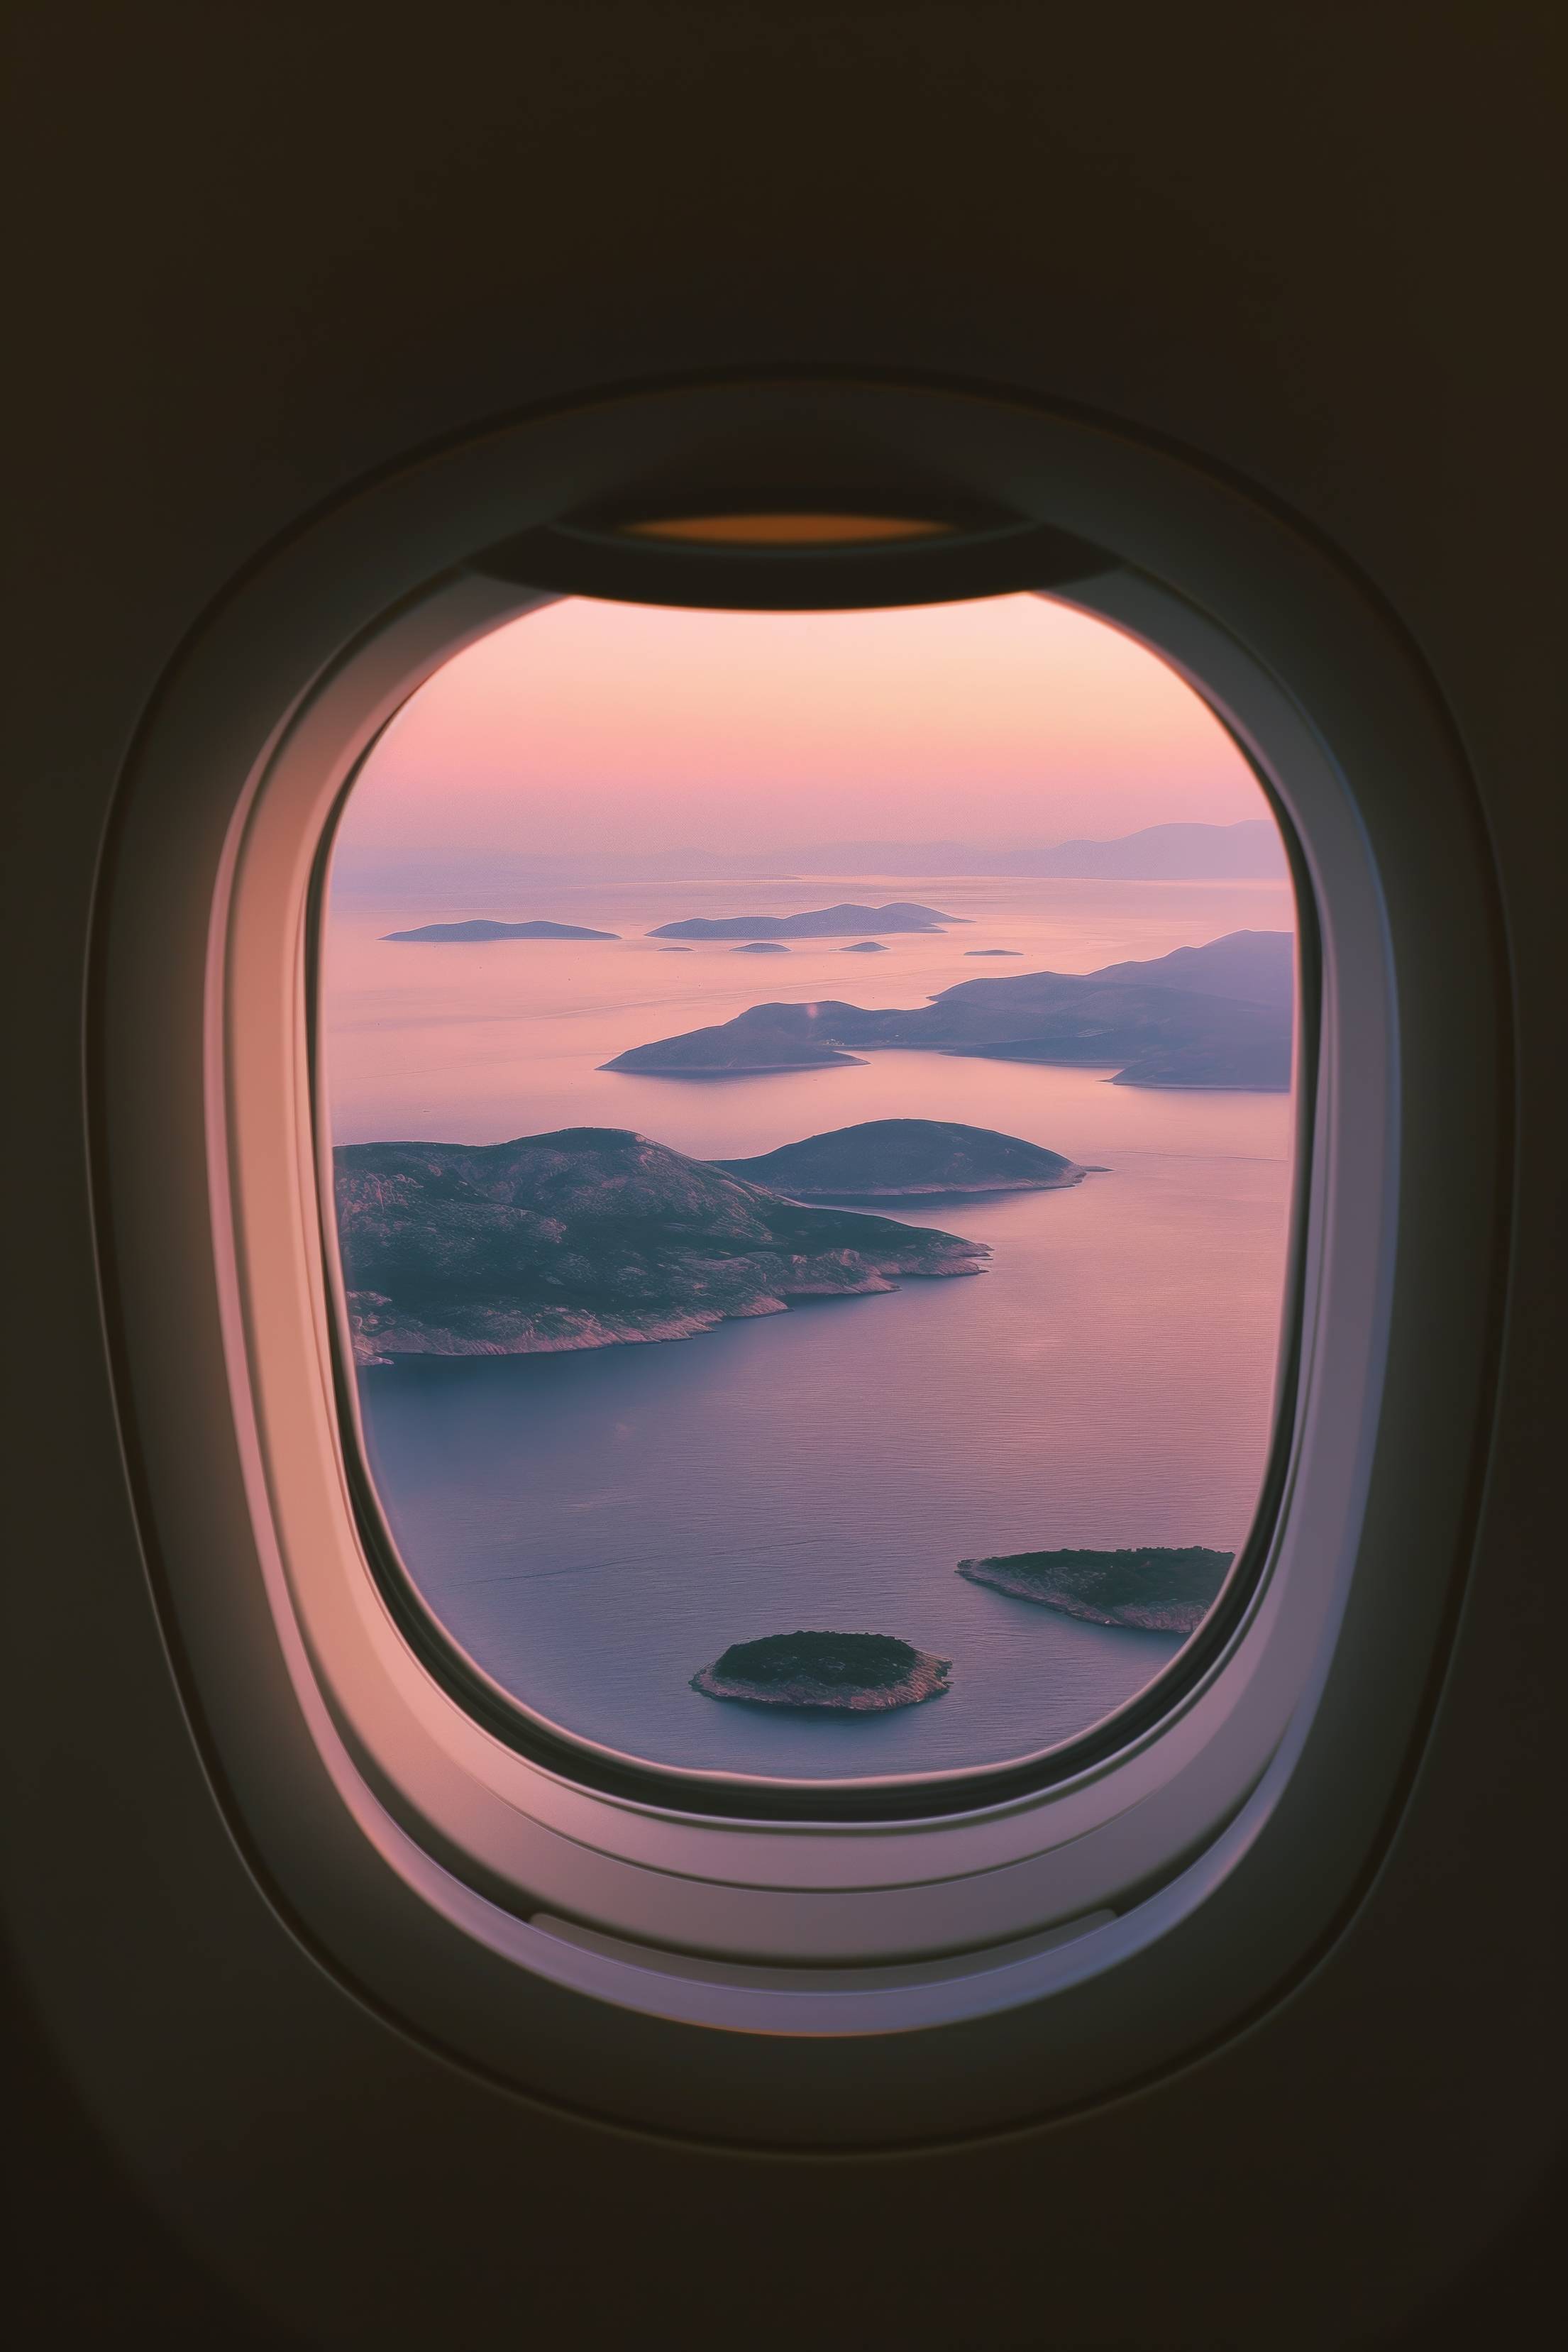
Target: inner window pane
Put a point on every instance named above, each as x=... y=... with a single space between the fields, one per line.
x=812 y=1121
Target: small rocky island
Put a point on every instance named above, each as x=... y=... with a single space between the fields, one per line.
x=822 y=923
x=762 y=947
x=865 y=947
x=1159 y=1589
x=481 y=928
x=856 y=1674
x=898 y=1159
x=590 y=1237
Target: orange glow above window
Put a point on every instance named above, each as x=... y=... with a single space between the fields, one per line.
x=786 y=529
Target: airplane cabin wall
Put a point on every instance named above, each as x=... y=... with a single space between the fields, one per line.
x=267 y=253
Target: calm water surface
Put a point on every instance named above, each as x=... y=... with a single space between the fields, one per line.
x=594 y=1528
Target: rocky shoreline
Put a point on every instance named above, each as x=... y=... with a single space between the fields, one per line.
x=381 y=1332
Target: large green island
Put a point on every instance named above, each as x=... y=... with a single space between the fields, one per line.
x=1158 y=1590
x=590 y=1237
x=857 y=1673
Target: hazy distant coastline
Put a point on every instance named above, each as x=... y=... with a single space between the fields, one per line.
x=1250 y=850
x=479 y=931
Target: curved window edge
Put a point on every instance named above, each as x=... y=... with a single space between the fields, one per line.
x=908 y=1796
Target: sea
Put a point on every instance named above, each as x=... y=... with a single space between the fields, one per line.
x=594 y=1528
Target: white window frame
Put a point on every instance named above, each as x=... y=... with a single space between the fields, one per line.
x=738 y=1977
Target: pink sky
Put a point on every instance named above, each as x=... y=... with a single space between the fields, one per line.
x=597 y=726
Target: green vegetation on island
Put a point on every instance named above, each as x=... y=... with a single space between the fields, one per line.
x=857 y=1673
x=1161 y=1588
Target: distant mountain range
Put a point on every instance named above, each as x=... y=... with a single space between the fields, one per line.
x=1250 y=850
x=1219 y=1015
x=476 y=933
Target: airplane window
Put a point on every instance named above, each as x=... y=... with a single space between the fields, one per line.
x=812 y=1147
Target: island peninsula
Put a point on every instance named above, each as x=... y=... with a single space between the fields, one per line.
x=764 y=1037
x=1219 y=1015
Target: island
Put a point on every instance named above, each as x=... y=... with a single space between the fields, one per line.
x=1239 y=1064
x=676 y=951
x=822 y=923
x=992 y=951
x=856 y=1674
x=865 y=947
x=481 y=929
x=1216 y=1015
x=894 y=1159
x=762 y=947
x=1159 y=1589
x=590 y=1237
x=765 y=1037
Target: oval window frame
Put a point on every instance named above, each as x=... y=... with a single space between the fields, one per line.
x=906 y=1796
x=473 y=1891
